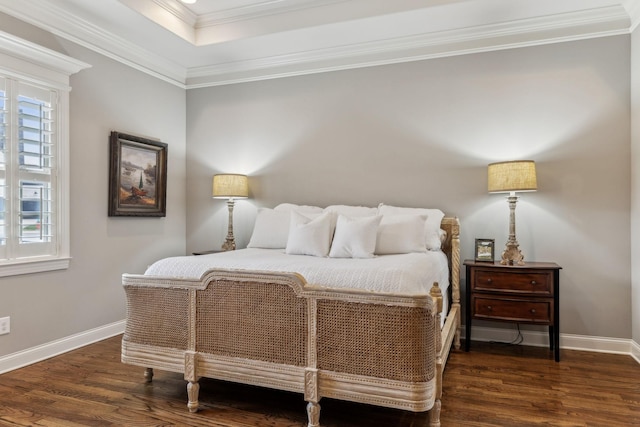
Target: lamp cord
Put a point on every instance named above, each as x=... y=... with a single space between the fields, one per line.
x=516 y=341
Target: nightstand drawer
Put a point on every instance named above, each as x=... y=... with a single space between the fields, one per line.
x=525 y=311
x=521 y=282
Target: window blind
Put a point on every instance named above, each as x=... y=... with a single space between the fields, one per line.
x=27 y=171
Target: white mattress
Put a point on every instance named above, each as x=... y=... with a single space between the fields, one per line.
x=404 y=274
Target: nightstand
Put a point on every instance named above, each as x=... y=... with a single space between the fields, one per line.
x=526 y=293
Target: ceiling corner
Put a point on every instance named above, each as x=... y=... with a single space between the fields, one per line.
x=633 y=9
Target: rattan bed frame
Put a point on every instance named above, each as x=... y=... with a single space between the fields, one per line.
x=275 y=330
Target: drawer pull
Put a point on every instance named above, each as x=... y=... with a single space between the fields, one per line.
x=533 y=282
x=489 y=308
x=489 y=281
x=533 y=311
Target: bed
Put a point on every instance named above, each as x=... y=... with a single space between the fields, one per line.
x=351 y=321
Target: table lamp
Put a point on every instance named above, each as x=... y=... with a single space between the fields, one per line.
x=509 y=177
x=230 y=187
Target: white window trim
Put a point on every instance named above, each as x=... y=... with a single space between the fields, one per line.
x=35 y=64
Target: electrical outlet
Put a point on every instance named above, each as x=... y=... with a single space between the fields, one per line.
x=5 y=325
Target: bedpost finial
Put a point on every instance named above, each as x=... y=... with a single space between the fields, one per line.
x=436 y=294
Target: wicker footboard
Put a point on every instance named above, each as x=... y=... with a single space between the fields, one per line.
x=272 y=330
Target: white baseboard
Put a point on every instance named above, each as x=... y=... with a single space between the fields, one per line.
x=63 y=345
x=532 y=338
x=635 y=351
x=567 y=341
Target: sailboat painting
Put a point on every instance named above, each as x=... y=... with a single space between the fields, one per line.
x=137 y=186
x=136 y=163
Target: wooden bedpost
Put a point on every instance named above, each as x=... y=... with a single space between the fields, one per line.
x=193 y=389
x=313 y=412
x=436 y=294
x=452 y=248
x=455 y=276
x=148 y=375
x=434 y=413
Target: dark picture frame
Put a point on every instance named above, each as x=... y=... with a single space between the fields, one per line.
x=137 y=176
x=485 y=250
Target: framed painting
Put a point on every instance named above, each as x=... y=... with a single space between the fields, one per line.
x=137 y=176
x=485 y=250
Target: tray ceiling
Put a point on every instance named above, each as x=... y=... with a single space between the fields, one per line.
x=215 y=42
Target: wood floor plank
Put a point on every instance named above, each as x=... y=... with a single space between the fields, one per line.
x=491 y=386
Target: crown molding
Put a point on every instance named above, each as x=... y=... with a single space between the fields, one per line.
x=169 y=14
x=258 y=10
x=36 y=64
x=200 y=30
x=60 y=22
x=34 y=53
x=177 y=9
x=633 y=9
x=601 y=22
x=598 y=22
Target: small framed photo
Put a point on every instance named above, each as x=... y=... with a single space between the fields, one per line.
x=137 y=176
x=485 y=250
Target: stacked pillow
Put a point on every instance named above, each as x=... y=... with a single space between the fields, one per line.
x=432 y=235
x=355 y=237
x=342 y=231
x=310 y=235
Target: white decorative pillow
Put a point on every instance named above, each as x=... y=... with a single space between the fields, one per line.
x=401 y=234
x=432 y=225
x=352 y=211
x=271 y=229
x=355 y=237
x=309 y=236
x=288 y=207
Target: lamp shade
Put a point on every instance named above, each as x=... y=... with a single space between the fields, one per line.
x=504 y=177
x=230 y=186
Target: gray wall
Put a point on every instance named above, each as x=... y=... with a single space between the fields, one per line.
x=109 y=96
x=415 y=134
x=635 y=185
x=422 y=134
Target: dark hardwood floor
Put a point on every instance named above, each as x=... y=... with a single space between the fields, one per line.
x=493 y=385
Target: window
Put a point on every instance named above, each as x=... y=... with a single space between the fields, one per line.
x=28 y=184
x=34 y=200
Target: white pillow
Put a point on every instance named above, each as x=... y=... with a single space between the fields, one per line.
x=271 y=229
x=355 y=237
x=309 y=236
x=401 y=234
x=288 y=207
x=432 y=225
x=352 y=211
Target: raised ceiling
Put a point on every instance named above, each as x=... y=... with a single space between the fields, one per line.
x=215 y=42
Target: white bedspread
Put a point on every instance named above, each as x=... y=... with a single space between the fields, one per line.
x=405 y=274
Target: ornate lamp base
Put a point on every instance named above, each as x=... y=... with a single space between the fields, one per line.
x=512 y=255
x=230 y=243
